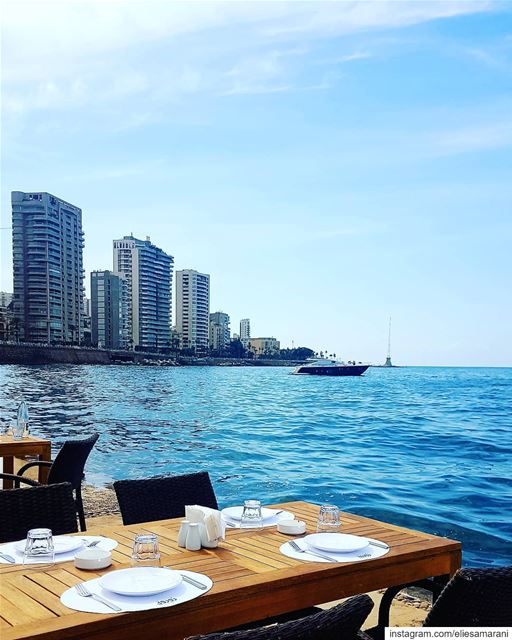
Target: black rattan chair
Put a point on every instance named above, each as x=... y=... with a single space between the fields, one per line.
x=160 y=498
x=472 y=598
x=49 y=506
x=339 y=623
x=68 y=466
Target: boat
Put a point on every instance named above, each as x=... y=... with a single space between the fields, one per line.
x=325 y=367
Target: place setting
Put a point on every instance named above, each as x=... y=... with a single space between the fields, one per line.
x=145 y=585
x=251 y=515
x=42 y=547
x=330 y=545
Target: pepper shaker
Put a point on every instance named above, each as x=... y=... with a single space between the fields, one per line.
x=193 y=542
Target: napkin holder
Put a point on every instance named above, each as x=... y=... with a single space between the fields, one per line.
x=203 y=517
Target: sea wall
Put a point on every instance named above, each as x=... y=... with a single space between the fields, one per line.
x=40 y=354
x=11 y=353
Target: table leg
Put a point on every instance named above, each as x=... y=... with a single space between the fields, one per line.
x=46 y=456
x=8 y=468
x=434 y=585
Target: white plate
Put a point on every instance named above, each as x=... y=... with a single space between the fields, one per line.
x=61 y=544
x=235 y=513
x=337 y=542
x=140 y=581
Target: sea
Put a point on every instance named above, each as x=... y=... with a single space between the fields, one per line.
x=428 y=448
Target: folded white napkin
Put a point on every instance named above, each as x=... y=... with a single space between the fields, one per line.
x=211 y=518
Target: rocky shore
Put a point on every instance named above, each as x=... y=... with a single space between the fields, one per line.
x=409 y=607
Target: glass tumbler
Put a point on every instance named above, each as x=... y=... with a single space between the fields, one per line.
x=39 y=547
x=251 y=515
x=18 y=429
x=145 y=551
x=328 y=519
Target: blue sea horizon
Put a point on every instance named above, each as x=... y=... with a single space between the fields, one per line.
x=429 y=448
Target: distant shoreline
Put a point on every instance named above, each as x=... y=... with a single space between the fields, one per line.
x=33 y=354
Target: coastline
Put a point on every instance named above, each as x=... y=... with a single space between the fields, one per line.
x=409 y=607
x=35 y=354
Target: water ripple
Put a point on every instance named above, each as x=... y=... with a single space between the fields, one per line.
x=426 y=448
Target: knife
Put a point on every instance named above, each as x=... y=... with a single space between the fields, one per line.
x=382 y=545
x=193 y=582
x=7 y=557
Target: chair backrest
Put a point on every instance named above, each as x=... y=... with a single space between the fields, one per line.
x=49 y=506
x=69 y=463
x=474 y=598
x=163 y=497
x=339 y=623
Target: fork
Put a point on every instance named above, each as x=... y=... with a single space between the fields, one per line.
x=296 y=547
x=90 y=544
x=365 y=555
x=83 y=591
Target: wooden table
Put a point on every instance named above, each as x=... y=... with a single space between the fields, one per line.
x=11 y=448
x=252 y=580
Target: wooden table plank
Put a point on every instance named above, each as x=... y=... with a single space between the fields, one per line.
x=251 y=580
x=39 y=593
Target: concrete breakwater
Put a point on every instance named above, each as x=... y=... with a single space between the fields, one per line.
x=11 y=353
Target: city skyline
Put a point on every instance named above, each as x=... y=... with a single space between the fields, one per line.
x=328 y=164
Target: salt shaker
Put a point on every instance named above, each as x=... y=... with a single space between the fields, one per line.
x=193 y=542
x=182 y=534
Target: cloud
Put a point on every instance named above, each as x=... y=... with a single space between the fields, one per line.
x=475 y=138
x=65 y=55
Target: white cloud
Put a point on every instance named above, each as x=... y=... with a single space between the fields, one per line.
x=58 y=55
x=480 y=137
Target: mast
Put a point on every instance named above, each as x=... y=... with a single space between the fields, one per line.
x=388 y=362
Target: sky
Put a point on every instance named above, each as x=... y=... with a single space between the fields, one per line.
x=329 y=164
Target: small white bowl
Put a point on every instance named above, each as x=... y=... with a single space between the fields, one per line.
x=291 y=527
x=92 y=559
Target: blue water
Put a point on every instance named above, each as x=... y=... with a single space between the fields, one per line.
x=426 y=448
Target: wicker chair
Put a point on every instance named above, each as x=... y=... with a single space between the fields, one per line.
x=163 y=497
x=339 y=623
x=472 y=598
x=68 y=466
x=50 y=506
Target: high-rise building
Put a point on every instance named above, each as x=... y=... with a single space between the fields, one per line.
x=147 y=271
x=219 y=330
x=48 y=270
x=108 y=310
x=245 y=331
x=192 y=308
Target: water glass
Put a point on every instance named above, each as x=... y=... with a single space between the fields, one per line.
x=145 y=551
x=251 y=515
x=328 y=519
x=39 y=546
x=18 y=429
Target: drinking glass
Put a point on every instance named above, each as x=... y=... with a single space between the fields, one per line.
x=39 y=545
x=251 y=515
x=328 y=519
x=18 y=429
x=145 y=551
